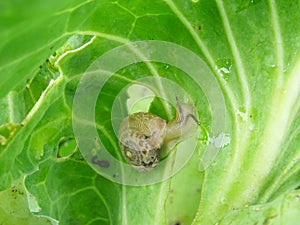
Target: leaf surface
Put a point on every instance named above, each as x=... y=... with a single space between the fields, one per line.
x=252 y=50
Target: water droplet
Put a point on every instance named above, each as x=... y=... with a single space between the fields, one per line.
x=224 y=68
x=251 y=127
x=242 y=114
x=221 y=140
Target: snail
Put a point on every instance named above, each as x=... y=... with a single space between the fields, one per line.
x=142 y=135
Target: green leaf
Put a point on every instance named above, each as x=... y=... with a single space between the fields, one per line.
x=14 y=207
x=251 y=49
x=283 y=210
x=70 y=187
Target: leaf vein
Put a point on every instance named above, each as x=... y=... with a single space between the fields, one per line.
x=203 y=48
x=236 y=54
x=278 y=39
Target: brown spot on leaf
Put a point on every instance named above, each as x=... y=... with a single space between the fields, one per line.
x=100 y=163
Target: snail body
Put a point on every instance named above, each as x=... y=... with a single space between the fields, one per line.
x=142 y=135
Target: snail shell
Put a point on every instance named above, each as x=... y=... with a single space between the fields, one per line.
x=142 y=135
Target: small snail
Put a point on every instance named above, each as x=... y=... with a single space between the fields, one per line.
x=142 y=135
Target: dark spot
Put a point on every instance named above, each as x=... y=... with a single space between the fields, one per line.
x=14 y=190
x=250 y=116
x=51 y=47
x=269 y=218
x=101 y=163
x=114 y=175
x=147 y=164
x=199 y=27
x=176 y=223
x=40 y=66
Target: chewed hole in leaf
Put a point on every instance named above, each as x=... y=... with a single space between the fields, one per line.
x=67 y=147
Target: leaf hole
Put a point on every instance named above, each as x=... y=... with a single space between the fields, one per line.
x=66 y=147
